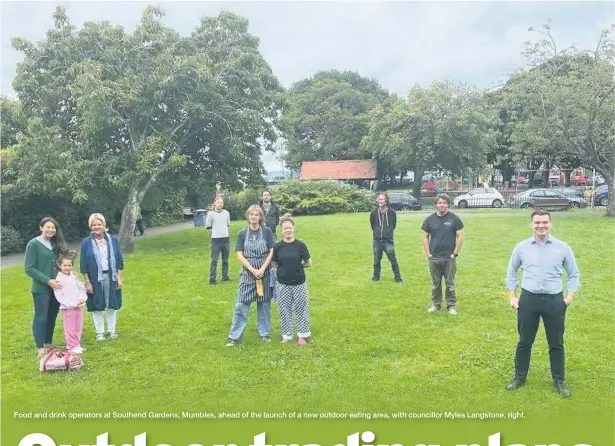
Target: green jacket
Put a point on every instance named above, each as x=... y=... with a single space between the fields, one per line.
x=41 y=265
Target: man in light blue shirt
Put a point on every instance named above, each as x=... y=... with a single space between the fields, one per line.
x=542 y=259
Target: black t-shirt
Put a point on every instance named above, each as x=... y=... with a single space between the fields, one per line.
x=442 y=233
x=290 y=257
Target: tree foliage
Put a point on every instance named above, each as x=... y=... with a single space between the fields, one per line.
x=328 y=115
x=564 y=105
x=112 y=111
x=446 y=126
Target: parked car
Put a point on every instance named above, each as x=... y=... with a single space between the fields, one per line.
x=404 y=202
x=557 y=178
x=597 y=180
x=600 y=197
x=518 y=180
x=574 y=195
x=540 y=198
x=569 y=191
x=480 y=197
x=579 y=180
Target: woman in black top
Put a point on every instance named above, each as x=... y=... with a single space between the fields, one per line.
x=291 y=257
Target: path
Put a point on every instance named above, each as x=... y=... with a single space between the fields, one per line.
x=18 y=258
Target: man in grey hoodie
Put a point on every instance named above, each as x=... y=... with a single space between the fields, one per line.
x=383 y=221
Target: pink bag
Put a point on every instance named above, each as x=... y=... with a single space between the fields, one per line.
x=60 y=359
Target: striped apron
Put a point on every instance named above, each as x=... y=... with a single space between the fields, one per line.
x=255 y=251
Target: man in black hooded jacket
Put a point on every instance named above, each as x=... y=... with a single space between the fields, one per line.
x=383 y=221
x=271 y=211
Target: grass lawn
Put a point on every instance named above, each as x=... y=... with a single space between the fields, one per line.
x=375 y=348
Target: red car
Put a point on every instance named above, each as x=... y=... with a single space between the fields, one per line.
x=579 y=180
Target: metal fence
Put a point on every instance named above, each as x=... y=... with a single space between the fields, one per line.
x=547 y=189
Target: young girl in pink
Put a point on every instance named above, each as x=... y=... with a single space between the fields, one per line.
x=72 y=297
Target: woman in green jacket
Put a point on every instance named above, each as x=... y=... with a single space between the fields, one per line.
x=41 y=255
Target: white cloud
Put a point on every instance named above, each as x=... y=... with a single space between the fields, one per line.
x=399 y=43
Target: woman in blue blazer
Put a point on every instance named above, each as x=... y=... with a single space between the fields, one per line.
x=101 y=265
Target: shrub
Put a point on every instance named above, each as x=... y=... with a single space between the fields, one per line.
x=11 y=241
x=237 y=203
x=321 y=197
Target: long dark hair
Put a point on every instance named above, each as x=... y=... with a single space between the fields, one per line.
x=58 y=243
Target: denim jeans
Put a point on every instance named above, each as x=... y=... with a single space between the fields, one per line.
x=240 y=319
x=389 y=249
x=46 y=309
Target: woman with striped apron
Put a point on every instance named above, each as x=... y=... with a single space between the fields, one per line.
x=254 y=251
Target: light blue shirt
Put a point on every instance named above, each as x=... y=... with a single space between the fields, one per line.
x=542 y=264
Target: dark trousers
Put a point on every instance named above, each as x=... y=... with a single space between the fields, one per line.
x=389 y=249
x=139 y=227
x=438 y=268
x=216 y=250
x=46 y=308
x=552 y=309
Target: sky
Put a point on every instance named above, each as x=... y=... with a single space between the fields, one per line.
x=399 y=43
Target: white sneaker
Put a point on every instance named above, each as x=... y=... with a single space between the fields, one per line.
x=452 y=311
x=100 y=337
x=78 y=350
x=113 y=335
x=433 y=309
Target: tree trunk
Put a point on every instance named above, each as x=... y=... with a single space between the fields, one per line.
x=567 y=175
x=610 y=208
x=418 y=181
x=129 y=219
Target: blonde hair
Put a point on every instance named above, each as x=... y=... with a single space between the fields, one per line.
x=261 y=214
x=287 y=217
x=97 y=216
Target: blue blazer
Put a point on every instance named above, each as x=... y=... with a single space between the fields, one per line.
x=96 y=300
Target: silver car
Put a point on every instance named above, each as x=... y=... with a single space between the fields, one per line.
x=540 y=198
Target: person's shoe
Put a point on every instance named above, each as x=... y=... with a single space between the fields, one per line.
x=375 y=279
x=285 y=341
x=452 y=311
x=226 y=279
x=231 y=342
x=100 y=337
x=515 y=384
x=562 y=389
x=78 y=350
x=266 y=338
x=212 y=282
x=302 y=341
x=399 y=280
x=433 y=309
x=114 y=335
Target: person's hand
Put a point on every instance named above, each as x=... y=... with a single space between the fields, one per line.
x=568 y=300
x=514 y=302
x=89 y=288
x=119 y=283
x=257 y=273
x=81 y=303
x=55 y=284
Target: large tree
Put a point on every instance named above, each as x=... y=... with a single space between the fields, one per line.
x=327 y=116
x=112 y=112
x=572 y=93
x=446 y=126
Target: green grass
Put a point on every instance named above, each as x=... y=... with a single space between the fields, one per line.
x=375 y=348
